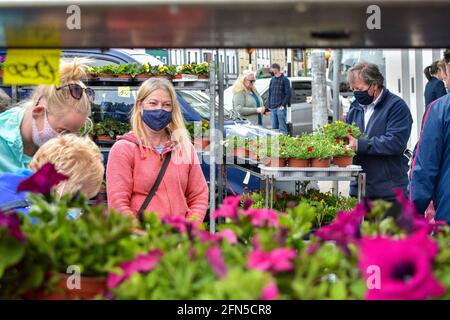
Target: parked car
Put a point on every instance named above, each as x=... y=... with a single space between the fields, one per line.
x=301 y=107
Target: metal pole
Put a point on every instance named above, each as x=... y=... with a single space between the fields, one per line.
x=337 y=57
x=319 y=90
x=212 y=146
x=222 y=168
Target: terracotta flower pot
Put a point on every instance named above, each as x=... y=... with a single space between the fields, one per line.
x=277 y=162
x=241 y=152
x=298 y=163
x=202 y=76
x=203 y=142
x=124 y=76
x=343 y=161
x=106 y=76
x=90 y=287
x=104 y=138
x=320 y=163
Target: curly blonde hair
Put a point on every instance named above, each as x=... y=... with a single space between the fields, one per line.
x=79 y=158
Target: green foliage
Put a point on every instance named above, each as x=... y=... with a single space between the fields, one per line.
x=340 y=130
x=341 y=150
x=111 y=128
x=201 y=69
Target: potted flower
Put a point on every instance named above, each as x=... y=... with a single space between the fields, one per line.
x=186 y=72
x=270 y=152
x=202 y=70
x=91 y=72
x=127 y=71
x=102 y=132
x=144 y=72
x=297 y=153
x=202 y=128
x=163 y=71
x=343 y=155
x=107 y=71
x=339 y=131
x=109 y=129
x=320 y=149
x=240 y=146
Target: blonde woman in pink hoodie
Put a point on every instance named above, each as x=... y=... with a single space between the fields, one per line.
x=136 y=159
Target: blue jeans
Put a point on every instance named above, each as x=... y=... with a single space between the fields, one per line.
x=278 y=119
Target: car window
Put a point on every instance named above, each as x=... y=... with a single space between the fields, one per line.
x=108 y=105
x=300 y=91
x=199 y=101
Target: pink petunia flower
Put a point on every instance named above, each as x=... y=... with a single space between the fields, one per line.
x=270 y=292
x=259 y=217
x=215 y=259
x=142 y=263
x=206 y=236
x=43 y=180
x=12 y=223
x=277 y=260
x=399 y=269
x=229 y=208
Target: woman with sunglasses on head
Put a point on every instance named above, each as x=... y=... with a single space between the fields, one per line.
x=246 y=100
x=158 y=140
x=50 y=111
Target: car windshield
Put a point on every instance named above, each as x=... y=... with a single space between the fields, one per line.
x=200 y=102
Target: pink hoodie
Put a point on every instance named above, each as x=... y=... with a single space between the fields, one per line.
x=132 y=170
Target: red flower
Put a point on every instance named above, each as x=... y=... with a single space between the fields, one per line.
x=350 y=131
x=309 y=149
x=346 y=152
x=43 y=180
x=142 y=263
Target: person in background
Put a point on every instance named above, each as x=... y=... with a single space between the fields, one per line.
x=78 y=158
x=430 y=170
x=445 y=75
x=246 y=99
x=279 y=99
x=51 y=110
x=434 y=89
x=135 y=161
x=386 y=121
x=5 y=101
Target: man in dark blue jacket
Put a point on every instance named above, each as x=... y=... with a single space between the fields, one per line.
x=279 y=99
x=386 y=121
x=430 y=172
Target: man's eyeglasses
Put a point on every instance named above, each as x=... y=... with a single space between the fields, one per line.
x=76 y=91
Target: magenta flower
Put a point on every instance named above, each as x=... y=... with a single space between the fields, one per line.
x=177 y=222
x=405 y=267
x=247 y=203
x=278 y=260
x=43 y=180
x=142 y=263
x=345 y=228
x=312 y=249
x=229 y=208
x=215 y=259
x=260 y=216
x=410 y=220
x=270 y=292
x=206 y=236
x=12 y=223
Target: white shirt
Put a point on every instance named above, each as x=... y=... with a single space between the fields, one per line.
x=369 y=109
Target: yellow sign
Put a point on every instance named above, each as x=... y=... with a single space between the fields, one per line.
x=124 y=92
x=32 y=66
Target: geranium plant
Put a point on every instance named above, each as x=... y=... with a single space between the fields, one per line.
x=340 y=130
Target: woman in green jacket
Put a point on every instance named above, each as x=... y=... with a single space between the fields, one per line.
x=51 y=110
x=246 y=100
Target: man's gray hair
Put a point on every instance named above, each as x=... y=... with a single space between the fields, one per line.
x=368 y=72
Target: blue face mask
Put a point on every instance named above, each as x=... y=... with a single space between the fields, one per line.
x=157 y=119
x=363 y=97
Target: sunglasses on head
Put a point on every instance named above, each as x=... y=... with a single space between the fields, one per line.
x=252 y=81
x=76 y=91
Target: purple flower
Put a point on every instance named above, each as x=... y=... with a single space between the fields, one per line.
x=247 y=203
x=142 y=263
x=345 y=228
x=43 y=180
x=229 y=208
x=215 y=259
x=259 y=217
x=405 y=267
x=270 y=292
x=278 y=260
x=227 y=234
x=12 y=223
